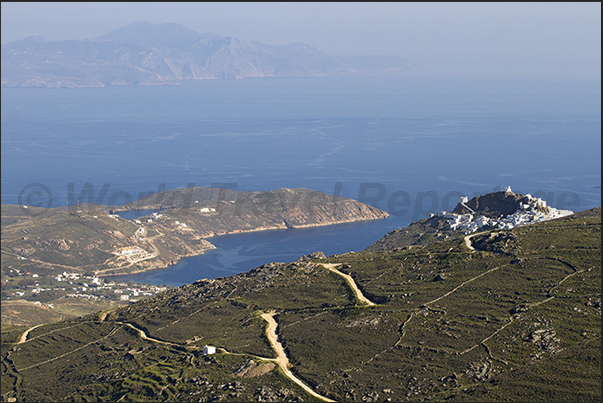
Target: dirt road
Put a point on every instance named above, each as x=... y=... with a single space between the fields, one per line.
x=282 y=359
x=350 y=281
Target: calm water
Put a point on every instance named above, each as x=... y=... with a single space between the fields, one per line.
x=242 y=252
x=408 y=146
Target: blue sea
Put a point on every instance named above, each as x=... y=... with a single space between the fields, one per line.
x=410 y=146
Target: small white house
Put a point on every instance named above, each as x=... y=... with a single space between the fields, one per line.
x=209 y=350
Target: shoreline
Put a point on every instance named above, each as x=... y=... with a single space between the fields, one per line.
x=164 y=239
x=237 y=232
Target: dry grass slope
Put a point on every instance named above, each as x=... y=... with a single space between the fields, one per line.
x=519 y=319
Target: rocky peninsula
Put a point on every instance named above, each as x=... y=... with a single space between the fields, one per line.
x=94 y=239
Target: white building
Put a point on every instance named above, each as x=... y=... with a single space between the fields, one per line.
x=209 y=350
x=526 y=214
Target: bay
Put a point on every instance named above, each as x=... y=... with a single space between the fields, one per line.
x=242 y=252
x=410 y=146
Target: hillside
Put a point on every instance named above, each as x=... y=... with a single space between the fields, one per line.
x=497 y=315
x=92 y=238
x=497 y=210
x=61 y=256
x=146 y=54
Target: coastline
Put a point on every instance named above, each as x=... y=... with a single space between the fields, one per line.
x=236 y=232
x=95 y=239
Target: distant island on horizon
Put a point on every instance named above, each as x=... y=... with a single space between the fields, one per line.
x=143 y=53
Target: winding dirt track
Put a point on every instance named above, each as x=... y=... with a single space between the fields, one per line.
x=350 y=281
x=282 y=359
x=23 y=338
x=144 y=336
x=468 y=241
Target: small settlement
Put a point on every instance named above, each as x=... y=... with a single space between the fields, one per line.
x=535 y=210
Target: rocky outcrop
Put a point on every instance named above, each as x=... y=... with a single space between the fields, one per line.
x=498 y=210
x=312 y=256
x=503 y=243
x=497 y=204
x=502 y=210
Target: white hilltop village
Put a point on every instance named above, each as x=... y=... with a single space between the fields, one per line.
x=535 y=210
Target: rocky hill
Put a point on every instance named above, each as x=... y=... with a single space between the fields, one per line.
x=498 y=210
x=92 y=238
x=501 y=315
x=146 y=54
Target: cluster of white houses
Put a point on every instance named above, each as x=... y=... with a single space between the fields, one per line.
x=528 y=213
x=155 y=216
x=88 y=287
x=70 y=277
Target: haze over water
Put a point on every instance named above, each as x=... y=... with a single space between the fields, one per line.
x=409 y=146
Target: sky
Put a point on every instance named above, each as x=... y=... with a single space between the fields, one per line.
x=472 y=40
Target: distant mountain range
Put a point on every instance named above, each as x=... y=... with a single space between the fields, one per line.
x=146 y=54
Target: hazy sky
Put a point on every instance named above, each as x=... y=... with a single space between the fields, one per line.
x=499 y=40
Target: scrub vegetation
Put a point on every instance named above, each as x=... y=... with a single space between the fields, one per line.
x=516 y=319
